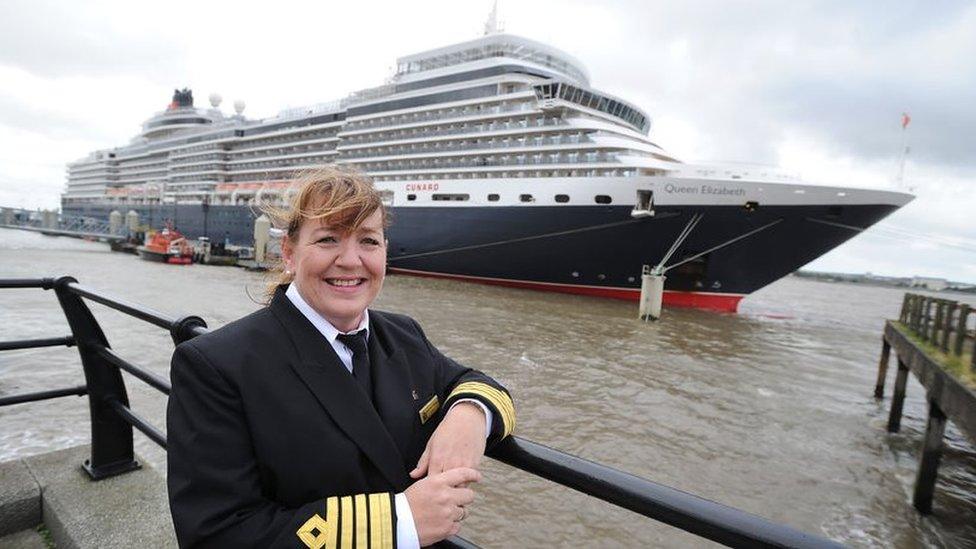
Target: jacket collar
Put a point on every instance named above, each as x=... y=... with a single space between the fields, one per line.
x=338 y=393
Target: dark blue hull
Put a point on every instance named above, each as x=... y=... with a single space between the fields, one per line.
x=597 y=250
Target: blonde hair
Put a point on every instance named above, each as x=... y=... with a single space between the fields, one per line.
x=338 y=196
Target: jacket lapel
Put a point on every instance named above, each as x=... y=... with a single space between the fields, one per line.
x=393 y=387
x=336 y=390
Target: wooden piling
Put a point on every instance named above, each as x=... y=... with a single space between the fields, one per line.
x=882 y=368
x=898 y=398
x=905 y=304
x=928 y=463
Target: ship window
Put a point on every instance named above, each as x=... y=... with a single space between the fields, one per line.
x=493 y=197
x=411 y=197
x=446 y=196
x=562 y=198
x=526 y=198
x=387 y=197
x=603 y=199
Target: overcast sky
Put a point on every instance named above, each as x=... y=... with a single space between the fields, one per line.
x=817 y=88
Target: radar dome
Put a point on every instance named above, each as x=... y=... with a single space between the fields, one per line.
x=239 y=106
x=215 y=100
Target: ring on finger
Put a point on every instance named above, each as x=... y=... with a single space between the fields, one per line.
x=464 y=514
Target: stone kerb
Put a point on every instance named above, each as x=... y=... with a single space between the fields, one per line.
x=129 y=510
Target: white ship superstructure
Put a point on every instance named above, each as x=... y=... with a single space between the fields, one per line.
x=500 y=129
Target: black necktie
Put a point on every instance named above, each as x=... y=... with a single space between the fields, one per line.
x=360 y=360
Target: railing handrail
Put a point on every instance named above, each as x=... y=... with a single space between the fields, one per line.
x=699 y=516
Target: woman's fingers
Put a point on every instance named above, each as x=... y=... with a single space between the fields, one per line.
x=461 y=475
x=421 y=469
x=465 y=496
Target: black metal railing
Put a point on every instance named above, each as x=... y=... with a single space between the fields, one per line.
x=112 y=420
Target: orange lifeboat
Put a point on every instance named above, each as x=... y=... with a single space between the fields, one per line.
x=167 y=246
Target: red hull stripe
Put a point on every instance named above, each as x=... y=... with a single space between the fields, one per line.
x=698 y=300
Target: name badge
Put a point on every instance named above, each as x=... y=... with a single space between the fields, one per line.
x=429 y=409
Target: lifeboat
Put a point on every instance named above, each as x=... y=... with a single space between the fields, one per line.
x=167 y=246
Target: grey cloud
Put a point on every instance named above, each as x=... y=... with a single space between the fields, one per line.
x=35 y=118
x=840 y=71
x=67 y=39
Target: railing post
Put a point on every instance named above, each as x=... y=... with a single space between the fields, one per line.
x=904 y=308
x=936 y=318
x=928 y=317
x=913 y=315
x=111 y=446
x=919 y=311
x=947 y=325
x=961 y=329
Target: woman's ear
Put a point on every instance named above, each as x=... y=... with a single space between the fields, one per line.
x=286 y=251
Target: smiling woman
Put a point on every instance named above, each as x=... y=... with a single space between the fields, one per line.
x=316 y=422
x=336 y=249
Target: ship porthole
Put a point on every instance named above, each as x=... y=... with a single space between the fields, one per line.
x=575 y=274
x=601 y=276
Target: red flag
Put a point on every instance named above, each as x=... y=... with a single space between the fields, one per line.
x=905 y=120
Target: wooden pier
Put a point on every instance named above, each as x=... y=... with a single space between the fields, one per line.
x=932 y=339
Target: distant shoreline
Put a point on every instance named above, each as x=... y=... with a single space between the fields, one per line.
x=908 y=283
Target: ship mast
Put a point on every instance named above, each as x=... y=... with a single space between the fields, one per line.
x=492 y=25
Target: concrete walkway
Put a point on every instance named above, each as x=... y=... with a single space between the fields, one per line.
x=130 y=510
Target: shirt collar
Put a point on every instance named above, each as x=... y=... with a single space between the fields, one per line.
x=321 y=324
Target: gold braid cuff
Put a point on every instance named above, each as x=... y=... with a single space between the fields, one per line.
x=497 y=398
x=363 y=521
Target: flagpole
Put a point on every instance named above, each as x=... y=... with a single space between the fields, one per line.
x=905 y=120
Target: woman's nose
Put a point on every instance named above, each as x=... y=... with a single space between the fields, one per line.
x=348 y=254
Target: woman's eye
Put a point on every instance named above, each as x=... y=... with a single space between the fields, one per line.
x=326 y=240
x=370 y=241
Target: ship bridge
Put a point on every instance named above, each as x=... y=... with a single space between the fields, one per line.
x=490 y=50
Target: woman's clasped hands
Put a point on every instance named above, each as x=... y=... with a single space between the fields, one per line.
x=439 y=500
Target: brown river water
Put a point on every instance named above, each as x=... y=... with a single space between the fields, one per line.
x=770 y=410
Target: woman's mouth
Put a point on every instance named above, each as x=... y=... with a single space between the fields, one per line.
x=345 y=282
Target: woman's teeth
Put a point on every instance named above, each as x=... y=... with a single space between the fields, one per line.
x=344 y=281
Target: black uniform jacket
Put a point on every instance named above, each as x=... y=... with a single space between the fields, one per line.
x=272 y=443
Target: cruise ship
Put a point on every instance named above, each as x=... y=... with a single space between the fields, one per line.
x=501 y=165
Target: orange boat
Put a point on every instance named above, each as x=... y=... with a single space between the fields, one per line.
x=167 y=246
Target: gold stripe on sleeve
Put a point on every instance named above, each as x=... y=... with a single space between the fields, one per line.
x=385 y=516
x=332 y=525
x=375 y=522
x=501 y=401
x=346 y=531
x=362 y=524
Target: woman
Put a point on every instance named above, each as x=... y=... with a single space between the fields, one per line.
x=315 y=422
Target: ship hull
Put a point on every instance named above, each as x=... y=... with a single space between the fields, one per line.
x=594 y=250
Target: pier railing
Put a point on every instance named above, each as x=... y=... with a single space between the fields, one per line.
x=112 y=420
x=942 y=323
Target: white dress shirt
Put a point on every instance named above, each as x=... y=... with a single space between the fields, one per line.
x=406 y=529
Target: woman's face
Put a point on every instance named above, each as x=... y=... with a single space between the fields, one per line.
x=338 y=274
